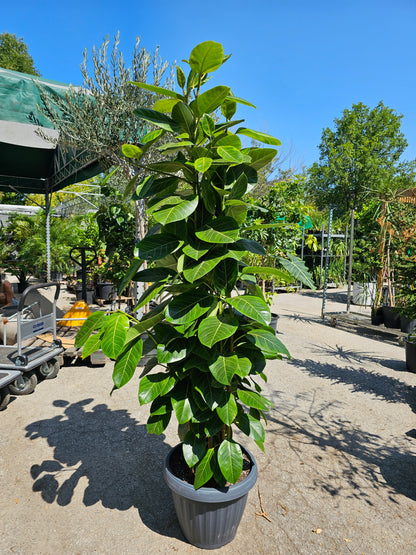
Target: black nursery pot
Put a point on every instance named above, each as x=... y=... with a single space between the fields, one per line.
x=377 y=316
x=411 y=356
x=209 y=517
x=407 y=325
x=391 y=317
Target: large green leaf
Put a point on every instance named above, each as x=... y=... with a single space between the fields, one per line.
x=243 y=367
x=204 y=471
x=258 y=136
x=253 y=400
x=115 y=333
x=230 y=460
x=157 y=118
x=203 y=164
x=173 y=351
x=92 y=344
x=187 y=307
x=222 y=230
x=225 y=275
x=296 y=267
x=251 y=427
x=267 y=342
x=228 y=411
x=267 y=272
x=153 y=274
x=223 y=369
x=149 y=294
x=152 y=318
x=193 y=449
x=181 y=403
x=127 y=362
x=212 y=396
x=178 y=211
x=158 y=90
x=251 y=246
x=154 y=385
x=210 y=100
x=236 y=209
x=252 y=307
x=157 y=423
x=92 y=323
x=196 y=250
x=165 y=105
x=208 y=195
x=132 y=151
x=230 y=154
x=216 y=328
x=260 y=157
x=155 y=247
x=194 y=270
x=206 y=57
x=183 y=116
x=150 y=186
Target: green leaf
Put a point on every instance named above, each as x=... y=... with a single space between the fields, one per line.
x=127 y=362
x=115 y=333
x=174 y=351
x=236 y=209
x=228 y=108
x=252 y=307
x=184 y=118
x=132 y=151
x=92 y=323
x=296 y=267
x=152 y=318
x=177 y=212
x=230 y=154
x=222 y=230
x=149 y=294
x=181 y=404
x=251 y=427
x=228 y=410
x=258 y=136
x=180 y=77
x=203 y=164
x=193 y=449
x=152 y=136
x=223 y=369
x=208 y=195
x=153 y=274
x=150 y=186
x=230 y=460
x=260 y=157
x=157 y=118
x=195 y=250
x=216 y=328
x=208 y=125
x=92 y=344
x=225 y=275
x=195 y=270
x=173 y=147
x=240 y=187
x=153 y=386
x=242 y=101
x=157 y=246
x=165 y=104
x=212 y=396
x=206 y=57
x=253 y=399
x=229 y=140
x=158 y=90
x=157 y=423
x=251 y=246
x=203 y=471
x=243 y=367
x=267 y=272
x=267 y=342
x=210 y=100
x=189 y=306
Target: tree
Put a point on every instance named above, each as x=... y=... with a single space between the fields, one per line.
x=14 y=55
x=361 y=153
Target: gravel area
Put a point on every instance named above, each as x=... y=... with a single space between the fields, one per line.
x=79 y=474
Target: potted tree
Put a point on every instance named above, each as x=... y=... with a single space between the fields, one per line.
x=211 y=340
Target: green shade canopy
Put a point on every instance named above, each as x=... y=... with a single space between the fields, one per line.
x=29 y=163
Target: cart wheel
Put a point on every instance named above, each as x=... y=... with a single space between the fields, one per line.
x=24 y=384
x=49 y=370
x=4 y=397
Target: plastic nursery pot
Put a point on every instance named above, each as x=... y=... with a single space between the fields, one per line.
x=391 y=317
x=105 y=290
x=407 y=325
x=410 y=356
x=209 y=517
x=377 y=316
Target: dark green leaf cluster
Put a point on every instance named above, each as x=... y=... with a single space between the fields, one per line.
x=210 y=342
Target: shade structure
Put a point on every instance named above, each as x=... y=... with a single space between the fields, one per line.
x=29 y=161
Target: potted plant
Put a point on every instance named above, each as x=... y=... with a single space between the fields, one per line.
x=212 y=340
x=410 y=346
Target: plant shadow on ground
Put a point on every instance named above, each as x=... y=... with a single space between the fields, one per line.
x=361 y=379
x=120 y=459
x=339 y=457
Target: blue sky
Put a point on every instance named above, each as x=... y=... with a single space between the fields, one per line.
x=301 y=62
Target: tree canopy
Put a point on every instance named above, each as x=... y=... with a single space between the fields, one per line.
x=358 y=155
x=14 y=55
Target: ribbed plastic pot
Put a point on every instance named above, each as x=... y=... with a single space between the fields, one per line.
x=209 y=517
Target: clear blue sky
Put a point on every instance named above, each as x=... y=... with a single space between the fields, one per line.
x=301 y=62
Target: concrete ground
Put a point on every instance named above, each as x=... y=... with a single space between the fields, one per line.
x=79 y=474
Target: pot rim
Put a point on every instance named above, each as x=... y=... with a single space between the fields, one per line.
x=206 y=494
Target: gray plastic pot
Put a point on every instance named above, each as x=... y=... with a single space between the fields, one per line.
x=209 y=517
x=410 y=356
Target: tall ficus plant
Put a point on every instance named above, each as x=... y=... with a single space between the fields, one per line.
x=212 y=342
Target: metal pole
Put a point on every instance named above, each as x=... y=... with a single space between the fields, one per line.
x=322 y=255
x=48 y=235
x=83 y=274
x=327 y=263
x=350 y=261
x=345 y=254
